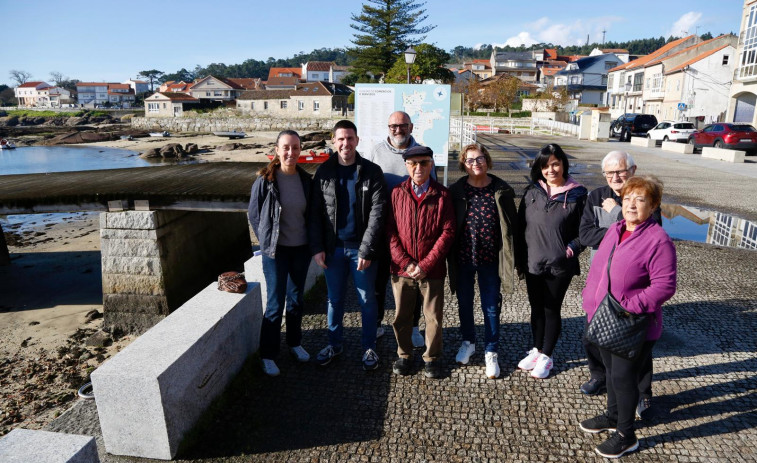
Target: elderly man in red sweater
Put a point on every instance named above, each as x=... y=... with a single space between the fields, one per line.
x=421 y=230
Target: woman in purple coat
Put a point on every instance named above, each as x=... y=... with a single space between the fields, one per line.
x=643 y=276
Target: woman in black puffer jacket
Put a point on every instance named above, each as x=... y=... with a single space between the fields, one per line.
x=547 y=250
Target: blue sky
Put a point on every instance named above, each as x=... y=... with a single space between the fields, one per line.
x=112 y=41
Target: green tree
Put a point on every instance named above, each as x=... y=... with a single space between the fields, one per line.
x=7 y=96
x=178 y=76
x=429 y=64
x=501 y=92
x=383 y=31
x=152 y=75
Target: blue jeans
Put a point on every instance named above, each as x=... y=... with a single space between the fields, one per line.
x=340 y=265
x=491 y=302
x=285 y=282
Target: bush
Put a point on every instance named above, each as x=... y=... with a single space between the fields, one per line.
x=521 y=114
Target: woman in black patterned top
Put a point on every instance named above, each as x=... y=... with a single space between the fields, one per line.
x=486 y=223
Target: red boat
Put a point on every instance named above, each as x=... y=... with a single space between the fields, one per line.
x=311 y=157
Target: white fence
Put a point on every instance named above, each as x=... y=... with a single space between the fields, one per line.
x=462 y=133
x=552 y=127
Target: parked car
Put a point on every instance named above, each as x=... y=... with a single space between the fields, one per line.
x=672 y=131
x=632 y=124
x=725 y=135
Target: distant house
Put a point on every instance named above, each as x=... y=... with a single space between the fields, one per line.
x=479 y=67
x=175 y=87
x=517 y=64
x=621 y=53
x=167 y=104
x=282 y=83
x=36 y=94
x=100 y=93
x=213 y=88
x=247 y=83
x=307 y=100
x=284 y=72
x=328 y=71
x=139 y=86
x=586 y=79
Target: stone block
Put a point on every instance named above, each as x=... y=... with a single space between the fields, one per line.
x=121 y=234
x=131 y=265
x=114 y=283
x=131 y=248
x=683 y=148
x=723 y=154
x=129 y=322
x=151 y=394
x=136 y=303
x=138 y=220
x=642 y=141
x=25 y=446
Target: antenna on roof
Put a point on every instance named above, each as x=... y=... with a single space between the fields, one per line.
x=603 y=36
x=587 y=39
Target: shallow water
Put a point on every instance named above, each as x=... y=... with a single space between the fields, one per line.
x=44 y=159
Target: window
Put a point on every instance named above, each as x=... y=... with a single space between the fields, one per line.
x=610 y=64
x=316 y=106
x=153 y=107
x=604 y=80
x=252 y=105
x=283 y=104
x=164 y=106
x=265 y=105
x=725 y=60
x=637 y=80
x=207 y=93
x=748 y=59
x=217 y=93
x=300 y=105
x=609 y=81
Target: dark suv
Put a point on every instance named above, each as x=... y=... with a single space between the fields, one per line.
x=632 y=124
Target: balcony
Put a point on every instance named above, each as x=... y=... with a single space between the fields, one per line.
x=746 y=73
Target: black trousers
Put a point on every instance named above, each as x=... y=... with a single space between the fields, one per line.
x=623 y=386
x=597 y=367
x=546 y=294
x=382 y=280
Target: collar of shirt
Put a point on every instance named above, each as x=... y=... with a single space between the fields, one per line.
x=421 y=189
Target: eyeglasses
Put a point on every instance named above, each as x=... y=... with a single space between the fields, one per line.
x=479 y=160
x=394 y=127
x=612 y=173
x=424 y=163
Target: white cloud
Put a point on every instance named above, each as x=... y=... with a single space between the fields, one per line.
x=685 y=25
x=543 y=30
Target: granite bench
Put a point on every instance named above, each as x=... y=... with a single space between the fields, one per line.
x=723 y=154
x=26 y=445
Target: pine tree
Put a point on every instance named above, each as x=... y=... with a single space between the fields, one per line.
x=384 y=30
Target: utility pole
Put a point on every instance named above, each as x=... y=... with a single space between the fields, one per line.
x=603 y=36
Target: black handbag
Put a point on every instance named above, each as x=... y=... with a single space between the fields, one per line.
x=615 y=329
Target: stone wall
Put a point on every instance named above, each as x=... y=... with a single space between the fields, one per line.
x=154 y=261
x=244 y=124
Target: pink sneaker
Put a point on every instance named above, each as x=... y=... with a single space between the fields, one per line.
x=542 y=368
x=529 y=362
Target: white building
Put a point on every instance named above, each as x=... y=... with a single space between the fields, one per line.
x=139 y=86
x=586 y=78
x=743 y=93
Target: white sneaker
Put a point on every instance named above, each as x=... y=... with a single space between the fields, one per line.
x=300 y=354
x=418 y=340
x=529 y=362
x=466 y=350
x=270 y=368
x=492 y=365
x=379 y=332
x=543 y=365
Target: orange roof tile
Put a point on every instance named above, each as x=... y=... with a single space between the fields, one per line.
x=276 y=72
x=647 y=58
x=695 y=59
x=30 y=84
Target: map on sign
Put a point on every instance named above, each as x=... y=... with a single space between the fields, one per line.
x=428 y=106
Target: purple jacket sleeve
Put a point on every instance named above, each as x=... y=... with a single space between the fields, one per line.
x=662 y=280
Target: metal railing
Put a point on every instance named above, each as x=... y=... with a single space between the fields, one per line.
x=462 y=133
x=552 y=127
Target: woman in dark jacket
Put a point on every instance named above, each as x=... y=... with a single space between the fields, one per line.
x=486 y=221
x=548 y=248
x=278 y=207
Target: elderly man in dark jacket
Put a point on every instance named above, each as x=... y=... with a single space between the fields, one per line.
x=421 y=231
x=347 y=214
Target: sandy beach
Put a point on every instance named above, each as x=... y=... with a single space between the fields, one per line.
x=51 y=334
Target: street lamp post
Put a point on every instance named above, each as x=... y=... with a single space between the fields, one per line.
x=627 y=87
x=409 y=59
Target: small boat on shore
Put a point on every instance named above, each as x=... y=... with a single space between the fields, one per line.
x=310 y=157
x=160 y=134
x=232 y=135
x=6 y=144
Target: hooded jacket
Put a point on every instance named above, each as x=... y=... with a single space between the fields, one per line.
x=421 y=233
x=643 y=272
x=504 y=197
x=264 y=210
x=547 y=227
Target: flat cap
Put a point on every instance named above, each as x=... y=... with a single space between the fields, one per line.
x=417 y=151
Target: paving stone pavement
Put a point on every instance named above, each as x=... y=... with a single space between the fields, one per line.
x=705 y=387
